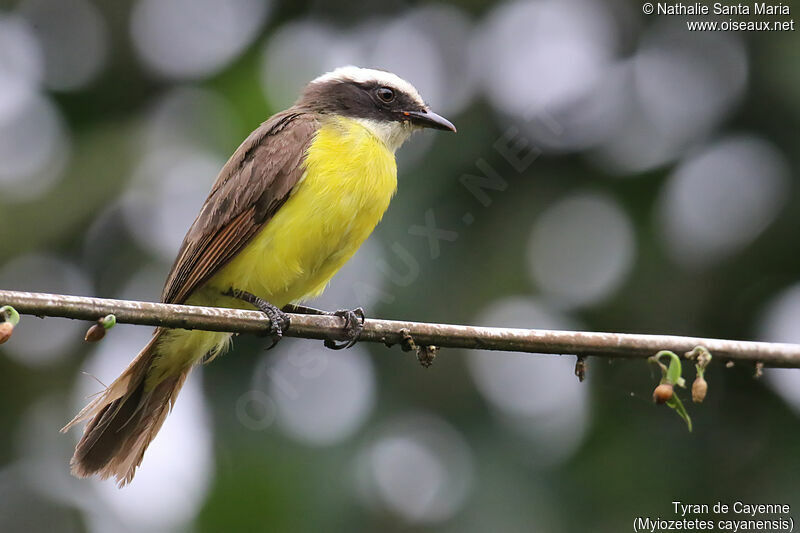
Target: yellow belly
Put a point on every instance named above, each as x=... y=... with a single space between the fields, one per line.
x=350 y=177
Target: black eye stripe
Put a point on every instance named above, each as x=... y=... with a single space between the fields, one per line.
x=360 y=99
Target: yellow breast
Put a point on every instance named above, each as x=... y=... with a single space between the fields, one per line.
x=350 y=177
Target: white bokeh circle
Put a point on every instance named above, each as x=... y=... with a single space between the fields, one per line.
x=581 y=249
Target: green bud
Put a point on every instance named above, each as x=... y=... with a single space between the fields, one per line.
x=108 y=321
x=9 y=314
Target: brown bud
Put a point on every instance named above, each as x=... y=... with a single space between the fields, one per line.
x=699 y=389
x=580 y=369
x=6 y=329
x=95 y=333
x=663 y=393
x=426 y=355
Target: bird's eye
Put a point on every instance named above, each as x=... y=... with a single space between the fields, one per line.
x=385 y=94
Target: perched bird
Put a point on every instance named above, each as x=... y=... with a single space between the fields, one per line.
x=288 y=209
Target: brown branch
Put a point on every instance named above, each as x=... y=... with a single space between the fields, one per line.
x=580 y=343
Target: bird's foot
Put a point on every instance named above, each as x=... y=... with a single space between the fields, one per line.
x=353 y=325
x=278 y=320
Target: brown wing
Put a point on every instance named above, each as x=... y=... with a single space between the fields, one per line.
x=252 y=186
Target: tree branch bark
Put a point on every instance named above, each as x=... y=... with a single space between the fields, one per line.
x=389 y=332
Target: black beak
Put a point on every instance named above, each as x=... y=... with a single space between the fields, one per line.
x=429 y=119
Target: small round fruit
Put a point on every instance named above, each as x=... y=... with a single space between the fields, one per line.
x=6 y=329
x=663 y=393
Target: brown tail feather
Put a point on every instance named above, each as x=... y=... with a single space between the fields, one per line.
x=125 y=419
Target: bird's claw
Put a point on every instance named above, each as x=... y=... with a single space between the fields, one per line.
x=354 y=325
x=278 y=320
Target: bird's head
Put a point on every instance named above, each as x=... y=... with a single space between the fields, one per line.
x=383 y=102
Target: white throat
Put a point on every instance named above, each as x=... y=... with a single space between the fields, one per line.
x=392 y=134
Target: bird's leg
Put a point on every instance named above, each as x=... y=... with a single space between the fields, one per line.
x=278 y=320
x=353 y=325
x=303 y=310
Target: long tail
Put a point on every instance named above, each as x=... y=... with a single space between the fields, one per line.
x=124 y=420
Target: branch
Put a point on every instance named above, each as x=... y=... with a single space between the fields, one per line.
x=389 y=332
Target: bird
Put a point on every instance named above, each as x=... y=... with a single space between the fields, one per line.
x=289 y=208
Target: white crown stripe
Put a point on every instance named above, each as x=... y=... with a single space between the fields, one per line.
x=363 y=75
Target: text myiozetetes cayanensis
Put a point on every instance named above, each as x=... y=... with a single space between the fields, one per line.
x=288 y=209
